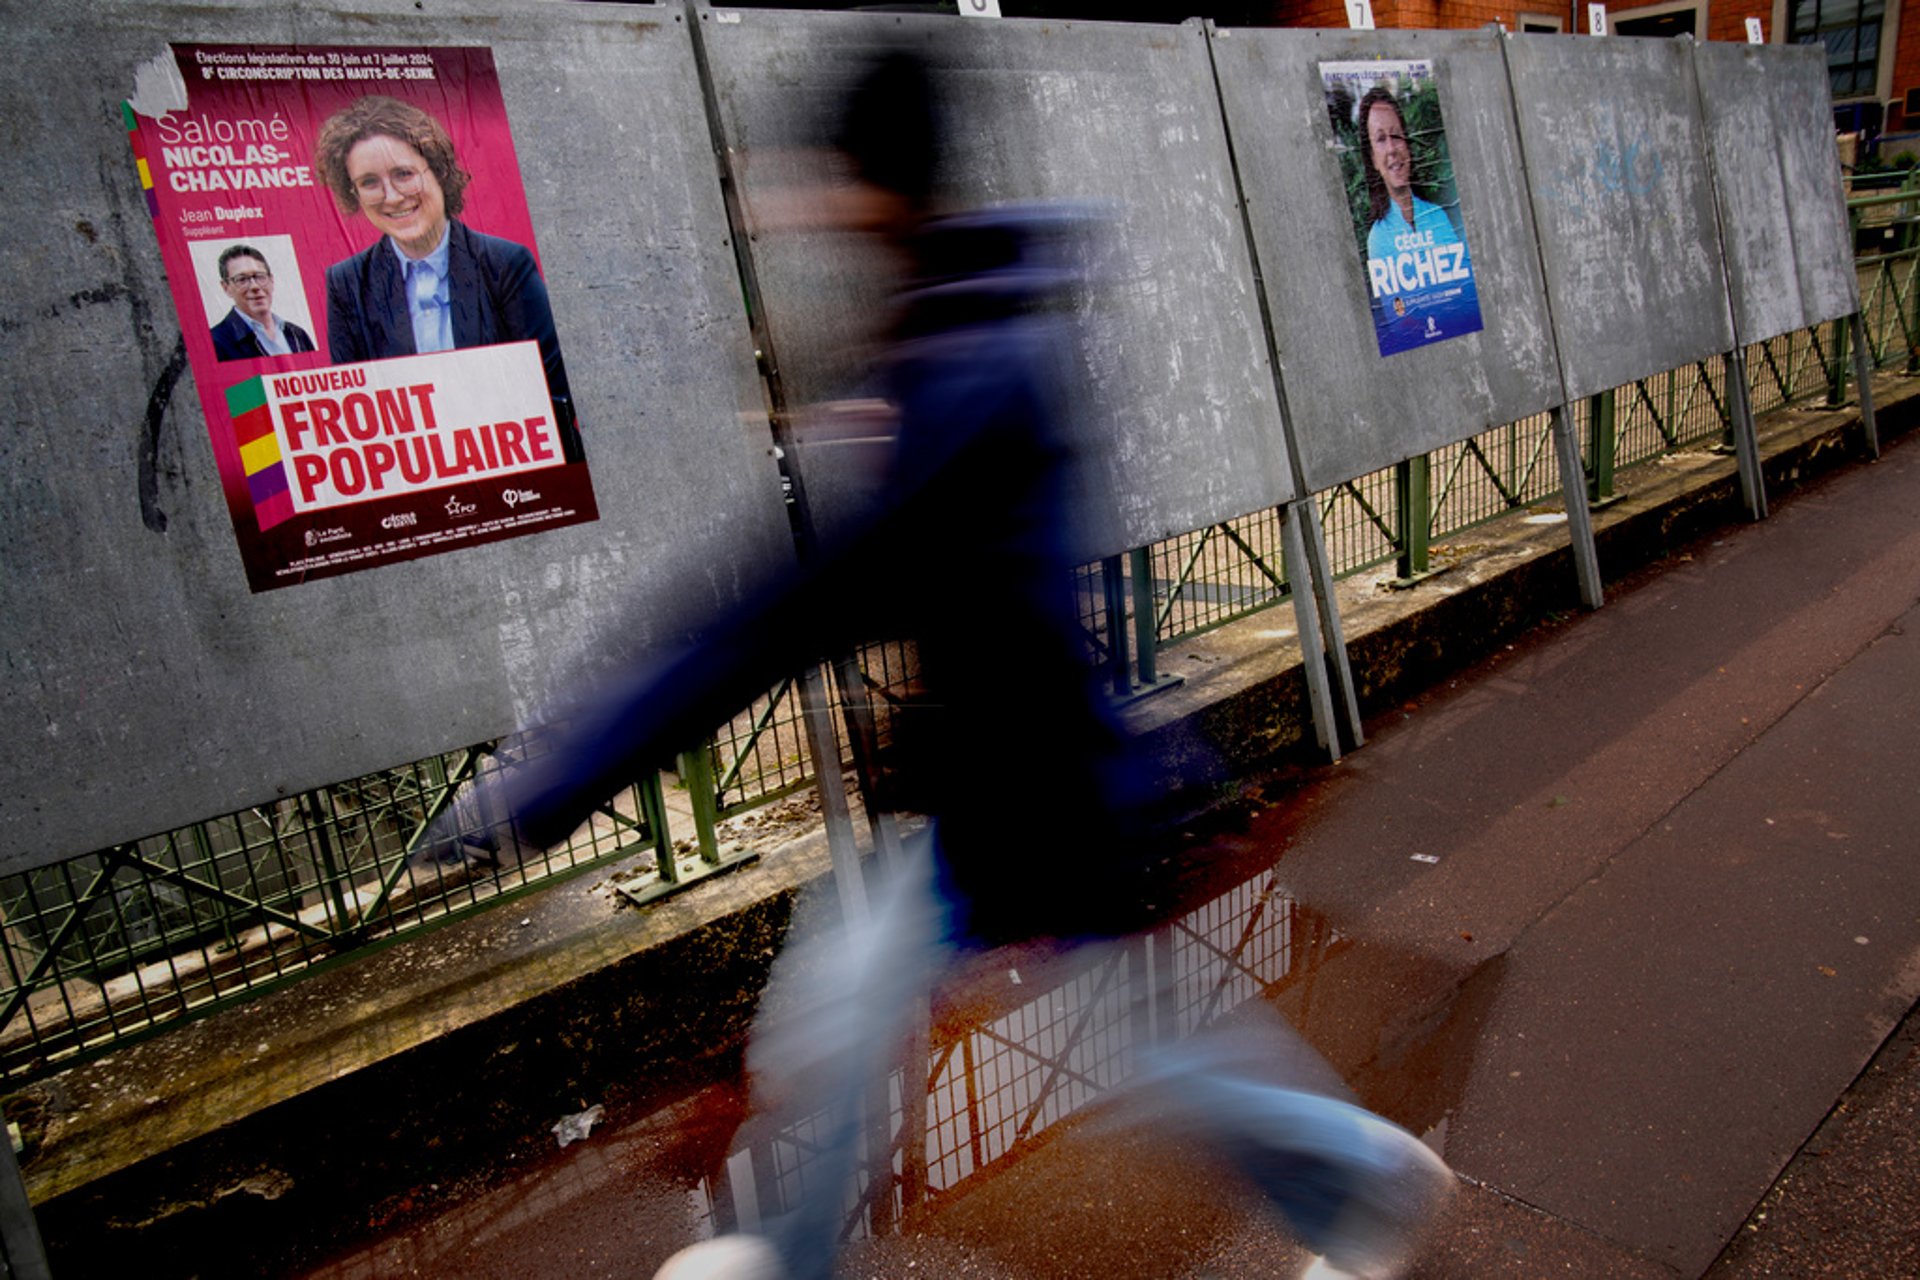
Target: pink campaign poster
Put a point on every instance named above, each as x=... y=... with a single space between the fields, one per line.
x=348 y=244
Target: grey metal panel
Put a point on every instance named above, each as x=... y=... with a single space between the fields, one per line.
x=144 y=685
x=1617 y=163
x=1181 y=420
x=1769 y=119
x=1353 y=410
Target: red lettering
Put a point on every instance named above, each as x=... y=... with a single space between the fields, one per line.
x=380 y=460
x=309 y=471
x=395 y=414
x=362 y=417
x=485 y=433
x=423 y=395
x=293 y=420
x=539 y=440
x=466 y=454
x=513 y=450
x=349 y=473
x=326 y=422
x=414 y=464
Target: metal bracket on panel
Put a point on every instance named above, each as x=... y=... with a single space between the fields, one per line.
x=1573 y=489
x=1323 y=654
x=1746 y=437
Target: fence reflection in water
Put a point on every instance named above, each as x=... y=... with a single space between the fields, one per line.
x=1006 y=1070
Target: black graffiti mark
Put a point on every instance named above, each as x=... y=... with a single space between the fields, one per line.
x=93 y=297
x=96 y=297
x=157 y=401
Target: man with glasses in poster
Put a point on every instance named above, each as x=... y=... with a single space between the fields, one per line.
x=251 y=331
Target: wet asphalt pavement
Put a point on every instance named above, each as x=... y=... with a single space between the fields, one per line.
x=1625 y=920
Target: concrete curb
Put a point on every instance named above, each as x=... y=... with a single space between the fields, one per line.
x=345 y=1099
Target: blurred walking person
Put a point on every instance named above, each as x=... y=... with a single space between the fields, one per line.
x=977 y=493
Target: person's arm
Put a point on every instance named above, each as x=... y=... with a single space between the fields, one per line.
x=626 y=724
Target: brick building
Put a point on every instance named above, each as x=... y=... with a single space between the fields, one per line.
x=1873 y=56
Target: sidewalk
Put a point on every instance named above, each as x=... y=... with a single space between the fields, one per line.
x=1663 y=913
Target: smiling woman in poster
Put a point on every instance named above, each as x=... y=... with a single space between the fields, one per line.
x=1416 y=258
x=430 y=283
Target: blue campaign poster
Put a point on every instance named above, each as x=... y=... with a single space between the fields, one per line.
x=1400 y=191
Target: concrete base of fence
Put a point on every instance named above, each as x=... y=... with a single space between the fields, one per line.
x=347 y=1100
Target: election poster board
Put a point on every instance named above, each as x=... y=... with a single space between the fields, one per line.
x=347 y=240
x=1400 y=189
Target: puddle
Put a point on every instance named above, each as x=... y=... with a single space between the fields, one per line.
x=993 y=1156
x=1021 y=1045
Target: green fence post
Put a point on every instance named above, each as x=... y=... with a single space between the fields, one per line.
x=653 y=810
x=1603 y=443
x=1413 y=498
x=1146 y=637
x=696 y=775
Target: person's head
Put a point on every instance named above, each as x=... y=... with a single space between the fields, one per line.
x=246 y=278
x=1389 y=161
x=394 y=163
x=891 y=136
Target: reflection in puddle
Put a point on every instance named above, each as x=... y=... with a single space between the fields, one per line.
x=1013 y=1053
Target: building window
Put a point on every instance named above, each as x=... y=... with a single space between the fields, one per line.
x=1850 y=29
x=1684 y=18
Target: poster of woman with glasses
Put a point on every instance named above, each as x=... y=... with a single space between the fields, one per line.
x=401 y=392
x=1406 y=213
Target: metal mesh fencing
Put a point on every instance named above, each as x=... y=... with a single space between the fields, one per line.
x=116 y=942
x=1361 y=519
x=1204 y=579
x=761 y=754
x=1788 y=368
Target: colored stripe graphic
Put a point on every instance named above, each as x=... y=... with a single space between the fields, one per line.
x=259 y=452
x=139 y=143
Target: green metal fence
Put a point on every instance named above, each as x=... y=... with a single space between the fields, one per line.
x=123 y=941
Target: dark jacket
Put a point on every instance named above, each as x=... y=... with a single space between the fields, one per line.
x=496 y=294
x=233 y=339
x=966 y=553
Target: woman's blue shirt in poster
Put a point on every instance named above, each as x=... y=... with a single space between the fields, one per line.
x=1420 y=278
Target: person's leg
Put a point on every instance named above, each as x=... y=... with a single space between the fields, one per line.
x=834 y=1014
x=1356 y=1188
